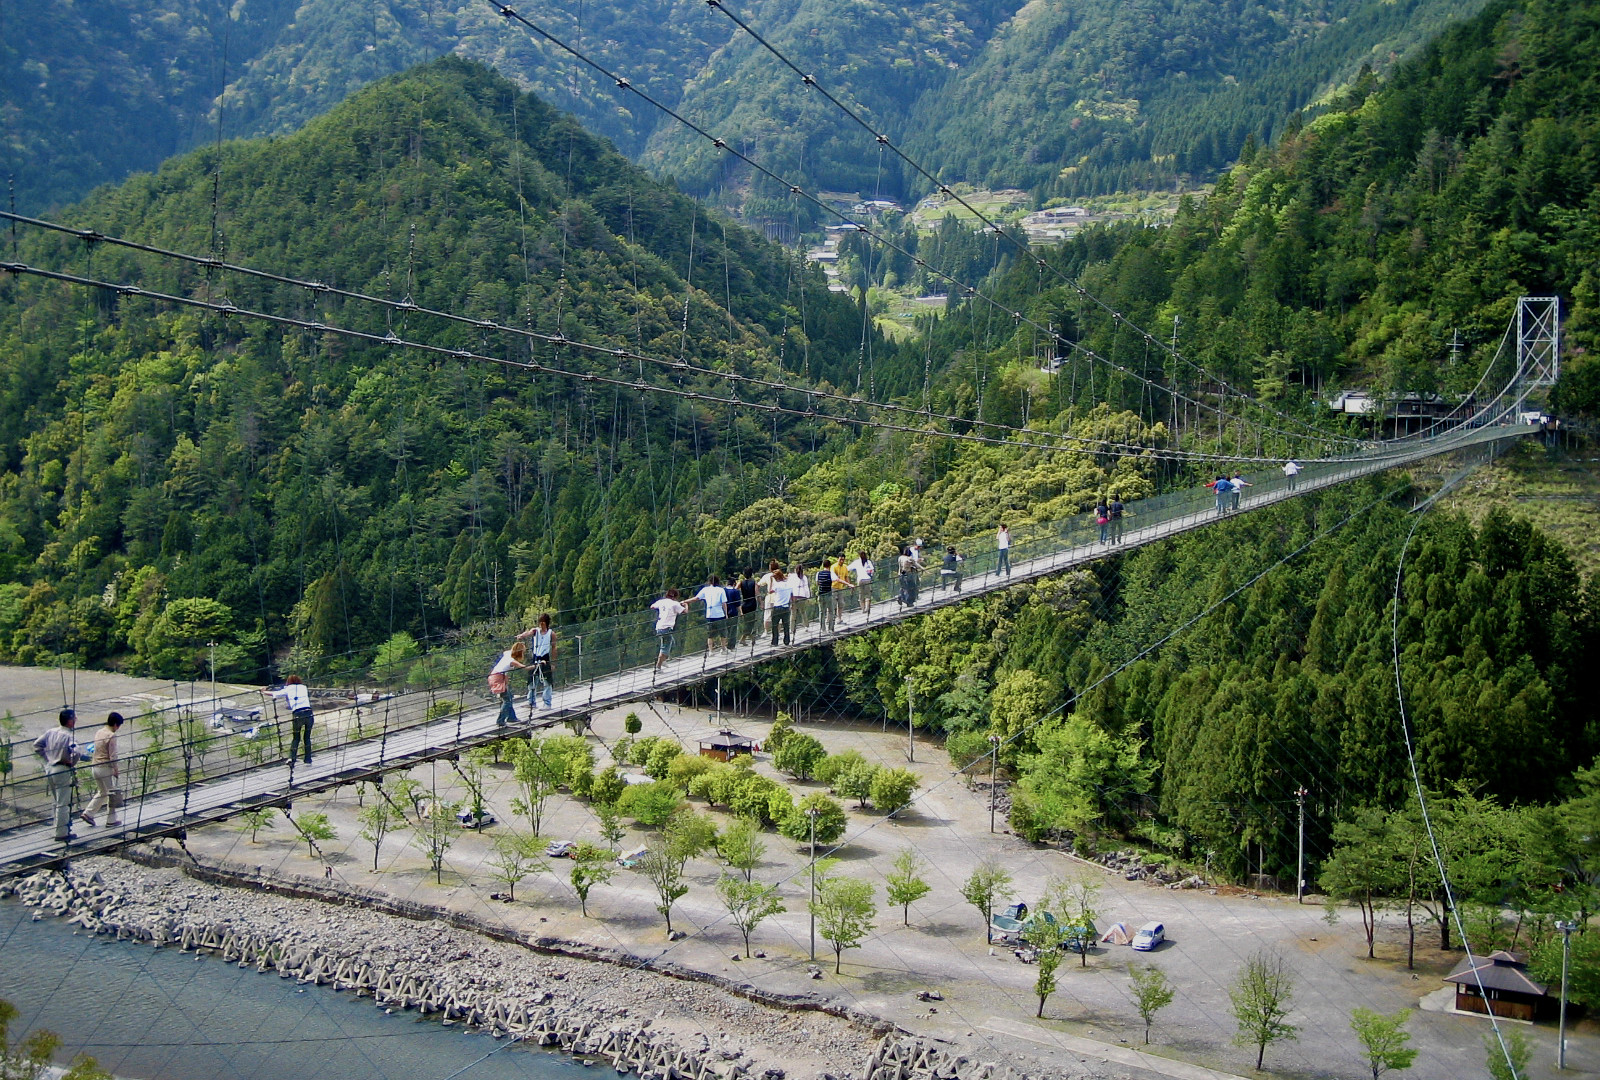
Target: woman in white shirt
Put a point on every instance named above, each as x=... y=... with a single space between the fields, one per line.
x=541 y=641
x=801 y=593
x=500 y=681
x=861 y=571
x=667 y=610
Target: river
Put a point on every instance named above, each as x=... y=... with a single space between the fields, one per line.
x=158 y=1014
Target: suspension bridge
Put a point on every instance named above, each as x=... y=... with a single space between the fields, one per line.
x=221 y=776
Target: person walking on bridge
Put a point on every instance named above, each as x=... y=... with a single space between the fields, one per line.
x=1221 y=486
x=667 y=610
x=298 y=698
x=499 y=683
x=541 y=663
x=1236 y=489
x=716 y=601
x=104 y=768
x=827 y=603
x=59 y=752
x=1102 y=518
x=1002 y=550
x=1291 y=469
x=950 y=569
x=861 y=571
x=1115 y=511
x=781 y=595
x=749 y=607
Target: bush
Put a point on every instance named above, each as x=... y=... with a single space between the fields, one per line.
x=686 y=768
x=608 y=787
x=622 y=749
x=440 y=709
x=781 y=727
x=751 y=795
x=632 y=724
x=580 y=777
x=780 y=804
x=857 y=782
x=830 y=820
x=892 y=789
x=661 y=758
x=651 y=804
x=639 y=750
x=799 y=755
x=967 y=748
x=830 y=768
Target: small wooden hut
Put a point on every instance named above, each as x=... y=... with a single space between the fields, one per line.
x=726 y=745
x=1498 y=984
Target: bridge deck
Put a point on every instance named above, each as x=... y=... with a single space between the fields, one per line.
x=168 y=813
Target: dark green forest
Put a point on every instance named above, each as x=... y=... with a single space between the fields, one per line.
x=178 y=474
x=92 y=93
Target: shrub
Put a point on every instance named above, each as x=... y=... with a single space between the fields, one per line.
x=661 y=758
x=440 y=709
x=892 y=789
x=829 y=769
x=632 y=724
x=651 y=804
x=639 y=750
x=780 y=804
x=830 y=825
x=799 y=755
x=781 y=727
x=686 y=768
x=967 y=748
x=751 y=795
x=857 y=782
x=608 y=787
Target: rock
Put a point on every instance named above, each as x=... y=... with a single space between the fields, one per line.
x=774 y=1074
x=676 y=935
x=761 y=956
x=735 y=957
x=929 y=995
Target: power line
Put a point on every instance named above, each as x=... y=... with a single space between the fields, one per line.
x=408 y=306
x=883 y=141
x=624 y=84
x=393 y=340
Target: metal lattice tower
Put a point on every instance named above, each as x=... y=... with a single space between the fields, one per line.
x=1539 y=340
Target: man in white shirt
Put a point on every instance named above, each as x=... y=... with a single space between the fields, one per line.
x=667 y=611
x=861 y=571
x=1002 y=546
x=60 y=753
x=298 y=698
x=1291 y=469
x=781 y=595
x=716 y=602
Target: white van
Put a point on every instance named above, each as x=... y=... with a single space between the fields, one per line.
x=1149 y=936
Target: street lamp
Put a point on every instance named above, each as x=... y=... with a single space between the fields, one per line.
x=1566 y=927
x=812 y=907
x=994 y=762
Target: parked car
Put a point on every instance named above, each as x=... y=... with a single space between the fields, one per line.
x=1149 y=936
x=561 y=849
x=466 y=820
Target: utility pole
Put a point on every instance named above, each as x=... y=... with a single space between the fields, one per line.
x=1300 y=858
x=1566 y=927
x=812 y=907
x=994 y=762
x=911 y=723
x=212 y=645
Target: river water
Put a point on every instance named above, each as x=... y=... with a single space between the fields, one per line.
x=158 y=1014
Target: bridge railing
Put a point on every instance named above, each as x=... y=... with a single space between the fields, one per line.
x=169 y=749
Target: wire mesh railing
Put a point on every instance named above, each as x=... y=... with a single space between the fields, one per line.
x=610 y=660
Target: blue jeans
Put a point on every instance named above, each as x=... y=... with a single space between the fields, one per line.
x=540 y=678
x=1004 y=566
x=1222 y=502
x=665 y=638
x=508 y=709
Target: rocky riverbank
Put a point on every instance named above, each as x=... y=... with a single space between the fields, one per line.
x=676 y=1026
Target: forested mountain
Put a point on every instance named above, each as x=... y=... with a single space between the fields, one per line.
x=168 y=474
x=1123 y=93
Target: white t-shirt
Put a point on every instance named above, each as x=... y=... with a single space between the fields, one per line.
x=1291 y=469
x=667 y=612
x=769 y=583
x=861 y=571
x=782 y=592
x=296 y=696
x=504 y=664
x=1002 y=540
x=802 y=586
x=715 y=600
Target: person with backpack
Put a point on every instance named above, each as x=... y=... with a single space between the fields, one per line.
x=827 y=603
x=950 y=571
x=1115 y=511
